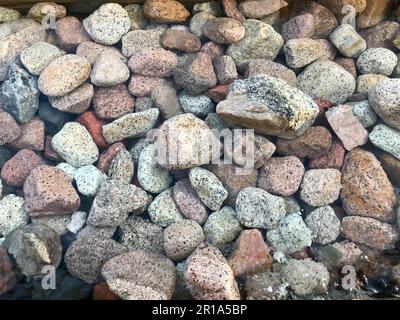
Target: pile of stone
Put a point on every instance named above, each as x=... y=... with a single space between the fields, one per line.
x=115 y=163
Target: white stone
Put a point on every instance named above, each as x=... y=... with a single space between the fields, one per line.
x=88 y=180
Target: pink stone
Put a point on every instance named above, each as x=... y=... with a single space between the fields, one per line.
x=70 y=33
x=346 y=126
x=32 y=136
x=49 y=152
x=333 y=158
x=16 y=170
x=250 y=254
x=7 y=276
x=142 y=86
x=108 y=155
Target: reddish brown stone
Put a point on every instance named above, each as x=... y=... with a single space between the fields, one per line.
x=16 y=170
x=95 y=127
x=232 y=181
x=251 y=254
x=300 y=255
x=392 y=167
x=323 y=105
x=32 y=136
x=366 y=189
x=70 y=33
x=49 y=191
x=102 y=292
x=333 y=158
x=314 y=142
x=349 y=64
x=218 y=93
x=7 y=276
x=49 y=152
x=182 y=40
x=369 y=231
x=9 y=128
x=113 y=102
x=231 y=10
x=108 y=155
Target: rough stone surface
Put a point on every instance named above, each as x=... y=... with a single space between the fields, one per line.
x=199 y=105
x=165 y=11
x=209 y=276
x=49 y=191
x=324 y=225
x=256 y=208
x=163 y=210
x=88 y=180
x=258 y=102
x=301 y=52
x=94 y=126
x=366 y=189
x=333 y=158
x=77 y=101
x=9 y=128
x=224 y=30
x=272 y=69
x=182 y=40
x=387 y=139
x=85 y=256
x=378 y=61
x=12 y=214
x=108 y=70
x=155 y=62
x=348 y=41
x=70 y=33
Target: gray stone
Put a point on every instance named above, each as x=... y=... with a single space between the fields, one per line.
x=208 y=187
x=256 y=208
x=364 y=113
x=8 y=14
x=198 y=21
x=291 y=235
x=57 y=223
x=272 y=69
x=33 y=247
x=348 y=41
x=139 y=233
x=113 y=203
x=324 y=224
x=77 y=101
x=88 y=180
x=165 y=99
x=137 y=40
x=67 y=168
x=222 y=227
x=151 y=176
x=85 y=257
x=199 y=105
x=378 y=61
x=163 y=209
x=261 y=41
x=12 y=214
x=77 y=222
x=327 y=80
x=20 y=94
x=107 y=24
x=225 y=69
x=268 y=105
x=387 y=139
x=122 y=168
x=306 y=276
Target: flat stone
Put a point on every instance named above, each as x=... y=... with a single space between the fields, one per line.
x=63 y=75
x=249 y=104
x=155 y=62
x=256 y=208
x=77 y=101
x=131 y=125
x=107 y=24
x=19 y=94
x=291 y=234
x=272 y=69
x=114 y=202
x=12 y=214
x=108 y=70
x=139 y=275
x=326 y=79
x=369 y=231
x=75 y=145
x=38 y=56
x=261 y=41
x=208 y=275
x=320 y=187
x=165 y=11
x=302 y=52
x=86 y=256
x=281 y=175
x=70 y=33
x=366 y=189
x=346 y=126
x=137 y=40
x=181 y=238
x=314 y=142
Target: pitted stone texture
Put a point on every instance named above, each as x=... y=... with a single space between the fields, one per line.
x=12 y=214
x=49 y=191
x=70 y=33
x=165 y=11
x=324 y=225
x=163 y=209
x=77 y=101
x=348 y=41
x=272 y=69
x=108 y=70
